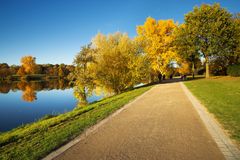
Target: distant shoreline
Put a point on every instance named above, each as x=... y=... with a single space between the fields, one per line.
x=31 y=77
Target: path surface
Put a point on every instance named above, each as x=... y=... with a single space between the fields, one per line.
x=160 y=125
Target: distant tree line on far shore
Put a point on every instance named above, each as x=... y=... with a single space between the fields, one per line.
x=29 y=69
x=30 y=89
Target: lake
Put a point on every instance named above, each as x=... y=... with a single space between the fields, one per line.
x=26 y=102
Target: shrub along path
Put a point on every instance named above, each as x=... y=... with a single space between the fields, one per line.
x=162 y=124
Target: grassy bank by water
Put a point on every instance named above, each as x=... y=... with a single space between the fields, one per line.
x=36 y=140
x=221 y=96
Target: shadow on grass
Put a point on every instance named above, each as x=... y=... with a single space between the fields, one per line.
x=178 y=79
x=195 y=78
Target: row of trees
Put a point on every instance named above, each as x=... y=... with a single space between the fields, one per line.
x=210 y=35
x=112 y=62
x=29 y=67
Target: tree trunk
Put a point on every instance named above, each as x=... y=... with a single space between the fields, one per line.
x=159 y=77
x=193 y=70
x=151 y=78
x=207 y=68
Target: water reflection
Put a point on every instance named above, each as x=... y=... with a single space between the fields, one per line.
x=50 y=97
x=29 y=89
x=29 y=95
x=83 y=91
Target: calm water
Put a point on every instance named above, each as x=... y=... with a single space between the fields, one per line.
x=22 y=102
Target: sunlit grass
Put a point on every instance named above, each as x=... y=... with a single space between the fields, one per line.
x=221 y=96
x=36 y=140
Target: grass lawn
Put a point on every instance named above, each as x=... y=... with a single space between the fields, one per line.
x=221 y=96
x=36 y=140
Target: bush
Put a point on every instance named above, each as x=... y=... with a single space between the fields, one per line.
x=234 y=70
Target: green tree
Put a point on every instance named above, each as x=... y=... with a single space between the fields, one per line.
x=220 y=63
x=211 y=29
x=236 y=56
x=186 y=47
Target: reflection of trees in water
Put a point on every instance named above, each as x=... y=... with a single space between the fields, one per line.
x=29 y=95
x=82 y=92
x=5 y=88
x=30 y=88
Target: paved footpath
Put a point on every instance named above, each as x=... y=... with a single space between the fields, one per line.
x=161 y=125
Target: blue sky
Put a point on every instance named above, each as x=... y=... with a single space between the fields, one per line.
x=54 y=30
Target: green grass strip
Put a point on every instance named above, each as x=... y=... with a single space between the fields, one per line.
x=221 y=96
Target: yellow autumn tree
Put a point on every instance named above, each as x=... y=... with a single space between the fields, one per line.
x=184 y=68
x=157 y=42
x=28 y=65
x=82 y=75
x=118 y=64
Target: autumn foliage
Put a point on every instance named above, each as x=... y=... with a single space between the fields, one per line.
x=207 y=40
x=162 y=48
x=156 y=38
x=28 y=66
x=111 y=62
